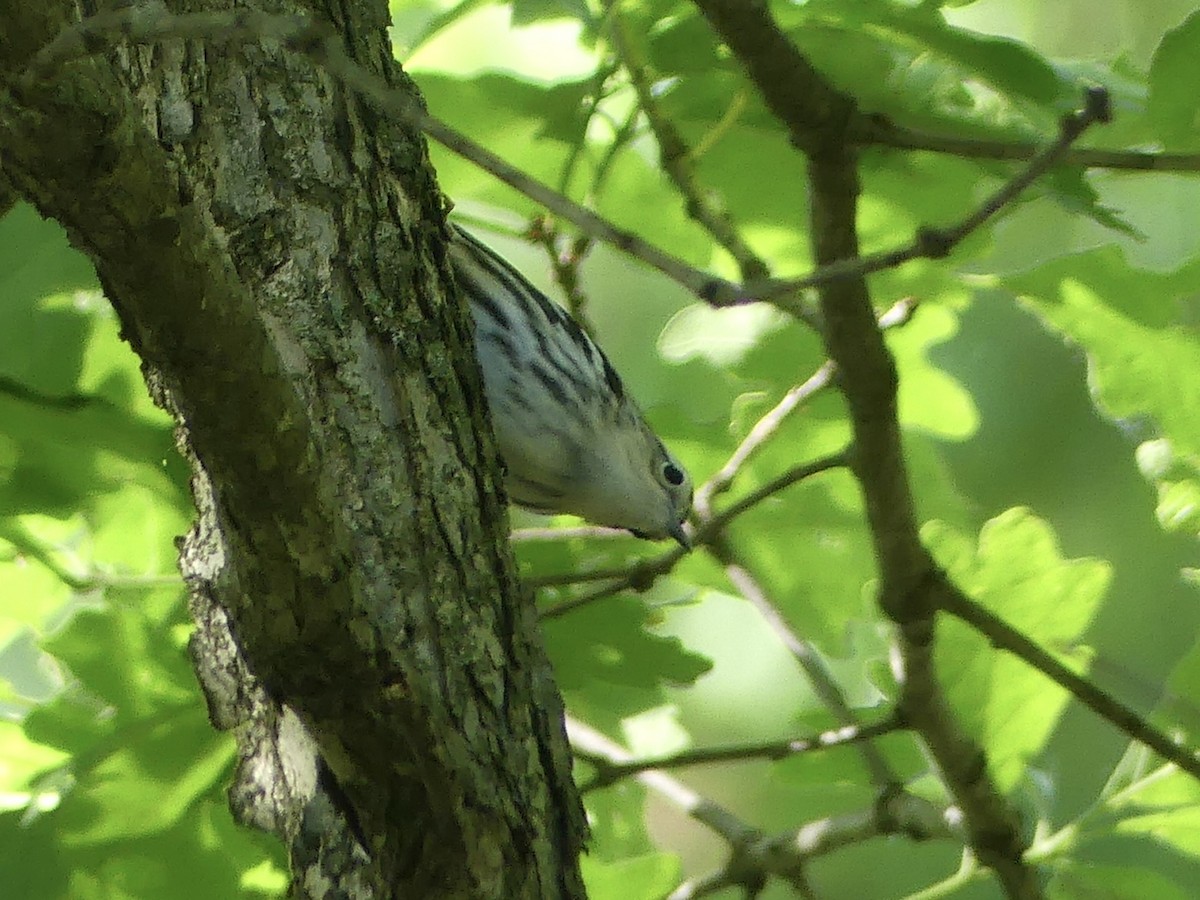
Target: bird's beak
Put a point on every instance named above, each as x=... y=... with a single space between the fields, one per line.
x=681 y=537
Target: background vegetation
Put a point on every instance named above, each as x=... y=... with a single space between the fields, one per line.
x=1050 y=398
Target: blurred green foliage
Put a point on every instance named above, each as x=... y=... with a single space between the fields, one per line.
x=1050 y=399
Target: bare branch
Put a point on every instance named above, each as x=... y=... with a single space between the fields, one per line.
x=887 y=134
x=565 y=265
x=591 y=745
x=762 y=431
x=27 y=544
x=149 y=22
x=585 y=532
x=895 y=812
x=992 y=827
x=638 y=573
x=770 y=489
x=609 y=772
x=695 y=888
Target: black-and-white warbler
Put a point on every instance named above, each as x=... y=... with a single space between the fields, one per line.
x=572 y=440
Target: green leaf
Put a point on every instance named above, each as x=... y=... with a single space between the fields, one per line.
x=617 y=816
x=929 y=398
x=33 y=866
x=34 y=551
x=526 y=11
x=1184 y=684
x=414 y=22
x=1143 y=354
x=21 y=760
x=148 y=781
x=1096 y=882
x=127 y=659
x=512 y=118
x=1164 y=805
x=1017 y=572
x=1174 y=104
x=904 y=36
x=1013 y=68
x=680 y=44
x=76 y=424
x=466 y=41
x=37 y=262
x=648 y=877
x=607 y=642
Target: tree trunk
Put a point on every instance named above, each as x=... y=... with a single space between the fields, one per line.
x=273 y=248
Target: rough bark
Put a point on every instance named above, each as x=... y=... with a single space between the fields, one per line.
x=274 y=251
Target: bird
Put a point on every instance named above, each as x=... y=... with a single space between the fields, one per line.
x=571 y=438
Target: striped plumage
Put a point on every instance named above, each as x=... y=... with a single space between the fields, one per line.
x=571 y=438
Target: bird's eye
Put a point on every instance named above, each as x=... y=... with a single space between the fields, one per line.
x=673 y=474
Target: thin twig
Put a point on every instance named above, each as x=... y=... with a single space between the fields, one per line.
x=898 y=314
x=565 y=265
x=644 y=574
x=723 y=126
x=697 y=888
x=74 y=401
x=895 y=812
x=591 y=745
x=586 y=532
x=25 y=543
x=1007 y=638
x=886 y=134
x=150 y=23
x=763 y=429
x=847 y=735
x=936 y=243
x=676 y=158
x=839 y=460
x=755 y=856
x=595 y=97
x=634 y=572
x=819 y=677
x=1096 y=108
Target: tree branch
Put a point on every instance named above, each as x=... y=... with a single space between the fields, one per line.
x=805 y=654
x=817 y=107
x=817 y=118
x=937 y=243
x=609 y=772
x=305 y=342
x=1005 y=637
x=762 y=431
x=899 y=314
x=888 y=134
x=755 y=856
x=644 y=574
x=150 y=23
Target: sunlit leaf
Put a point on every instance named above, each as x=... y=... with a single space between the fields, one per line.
x=1017 y=573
